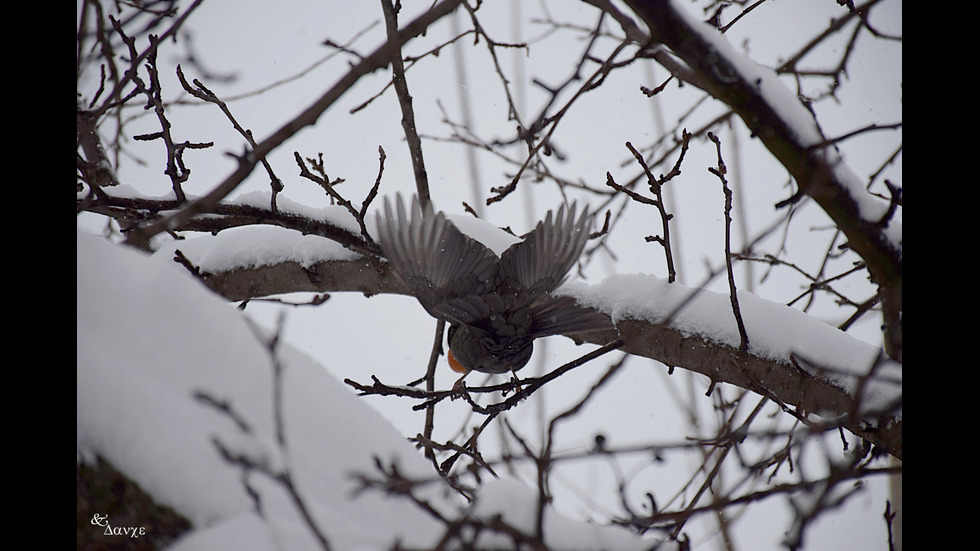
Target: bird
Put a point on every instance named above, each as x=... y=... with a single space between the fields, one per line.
x=495 y=306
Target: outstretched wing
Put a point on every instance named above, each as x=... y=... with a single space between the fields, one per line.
x=432 y=257
x=540 y=262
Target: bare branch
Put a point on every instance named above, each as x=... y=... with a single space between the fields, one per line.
x=248 y=160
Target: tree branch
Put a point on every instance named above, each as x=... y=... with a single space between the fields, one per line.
x=819 y=173
x=798 y=391
x=251 y=157
x=405 y=103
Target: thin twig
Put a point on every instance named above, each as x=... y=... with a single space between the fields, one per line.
x=203 y=93
x=720 y=172
x=250 y=158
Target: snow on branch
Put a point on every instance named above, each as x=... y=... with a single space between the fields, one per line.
x=688 y=327
x=789 y=131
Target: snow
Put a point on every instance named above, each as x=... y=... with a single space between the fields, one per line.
x=784 y=102
x=334 y=214
x=775 y=331
x=149 y=336
x=261 y=245
x=126 y=191
x=253 y=246
x=496 y=239
x=140 y=428
x=516 y=504
x=246 y=532
x=798 y=118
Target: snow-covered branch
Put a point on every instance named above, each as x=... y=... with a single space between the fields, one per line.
x=806 y=366
x=789 y=131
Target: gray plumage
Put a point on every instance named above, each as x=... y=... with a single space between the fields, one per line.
x=496 y=307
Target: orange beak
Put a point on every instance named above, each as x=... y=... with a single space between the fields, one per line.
x=455 y=365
